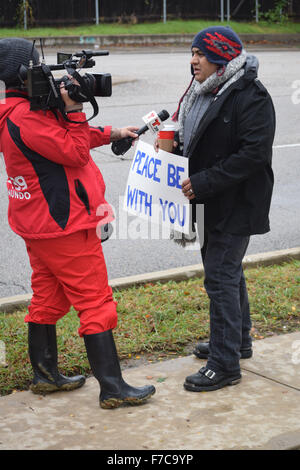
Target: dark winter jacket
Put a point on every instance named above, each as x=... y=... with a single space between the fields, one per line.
x=54 y=186
x=230 y=158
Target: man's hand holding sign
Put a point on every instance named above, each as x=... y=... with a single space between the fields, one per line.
x=187 y=189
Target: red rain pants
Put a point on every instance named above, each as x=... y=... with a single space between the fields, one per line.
x=67 y=271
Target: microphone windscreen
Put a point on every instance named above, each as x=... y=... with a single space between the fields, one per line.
x=163 y=115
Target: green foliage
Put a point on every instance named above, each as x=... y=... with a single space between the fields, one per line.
x=278 y=14
x=19 y=18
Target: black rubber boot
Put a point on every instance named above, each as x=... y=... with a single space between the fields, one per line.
x=104 y=362
x=43 y=357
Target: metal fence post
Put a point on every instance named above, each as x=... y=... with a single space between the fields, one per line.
x=165 y=10
x=256 y=11
x=25 y=14
x=228 y=10
x=97 y=11
x=222 y=10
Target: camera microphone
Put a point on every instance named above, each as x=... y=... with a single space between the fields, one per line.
x=153 y=122
x=90 y=53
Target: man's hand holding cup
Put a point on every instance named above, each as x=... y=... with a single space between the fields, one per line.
x=165 y=139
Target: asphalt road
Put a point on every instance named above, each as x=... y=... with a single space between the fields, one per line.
x=156 y=81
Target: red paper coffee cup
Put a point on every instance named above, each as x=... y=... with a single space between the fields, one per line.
x=164 y=134
x=166 y=138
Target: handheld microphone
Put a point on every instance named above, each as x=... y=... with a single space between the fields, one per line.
x=153 y=120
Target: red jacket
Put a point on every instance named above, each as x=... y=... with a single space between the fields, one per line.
x=54 y=186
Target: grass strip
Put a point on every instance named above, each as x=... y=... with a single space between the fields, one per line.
x=171 y=27
x=157 y=321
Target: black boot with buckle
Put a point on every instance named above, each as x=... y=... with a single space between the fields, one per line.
x=206 y=380
x=42 y=347
x=104 y=362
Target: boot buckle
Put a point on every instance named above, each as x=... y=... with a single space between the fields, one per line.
x=210 y=374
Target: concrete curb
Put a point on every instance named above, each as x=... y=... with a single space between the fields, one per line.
x=9 y=304
x=144 y=40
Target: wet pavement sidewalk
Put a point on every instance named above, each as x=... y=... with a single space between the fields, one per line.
x=261 y=412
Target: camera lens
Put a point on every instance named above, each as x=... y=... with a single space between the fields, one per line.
x=102 y=86
x=96 y=84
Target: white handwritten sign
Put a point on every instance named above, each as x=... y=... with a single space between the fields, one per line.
x=153 y=188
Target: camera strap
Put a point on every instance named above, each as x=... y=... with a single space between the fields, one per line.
x=86 y=91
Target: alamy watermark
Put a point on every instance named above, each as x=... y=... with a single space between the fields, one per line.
x=296 y=352
x=296 y=94
x=2 y=92
x=2 y=354
x=146 y=227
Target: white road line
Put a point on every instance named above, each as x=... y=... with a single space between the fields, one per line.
x=285 y=146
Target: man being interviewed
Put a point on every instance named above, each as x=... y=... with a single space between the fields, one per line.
x=226 y=129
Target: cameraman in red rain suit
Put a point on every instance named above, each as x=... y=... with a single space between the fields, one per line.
x=54 y=189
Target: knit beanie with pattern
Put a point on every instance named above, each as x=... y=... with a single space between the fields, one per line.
x=15 y=52
x=219 y=44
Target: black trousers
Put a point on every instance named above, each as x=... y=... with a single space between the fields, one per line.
x=230 y=323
